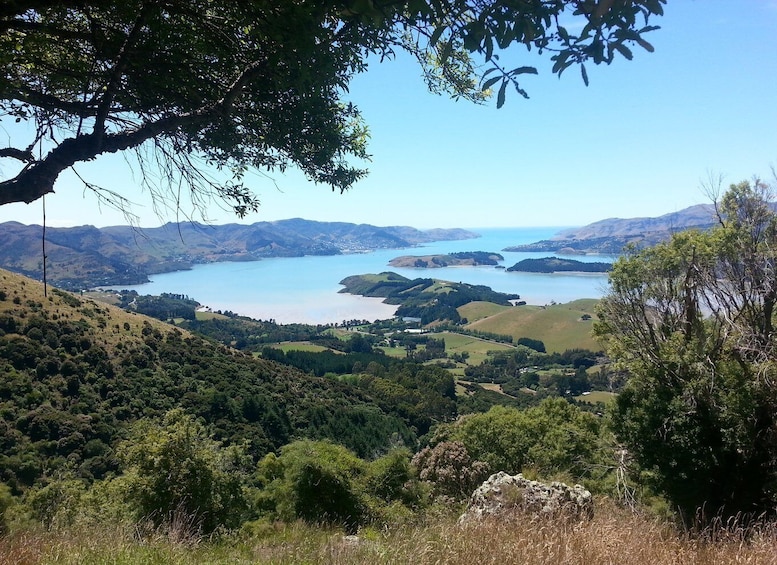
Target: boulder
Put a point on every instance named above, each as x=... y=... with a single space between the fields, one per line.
x=504 y=494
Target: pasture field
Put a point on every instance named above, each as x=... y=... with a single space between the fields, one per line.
x=558 y=326
x=596 y=396
x=478 y=310
x=476 y=347
x=286 y=346
x=398 y=352
x=204 y=315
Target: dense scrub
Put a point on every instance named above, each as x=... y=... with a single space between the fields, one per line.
x=75 y=377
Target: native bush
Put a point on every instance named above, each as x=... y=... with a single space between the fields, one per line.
x=691 y=321
x=550 y=439
x=450 y=470
x=316 y=481
x=174 y=469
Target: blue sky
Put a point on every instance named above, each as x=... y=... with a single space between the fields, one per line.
x=637 y=142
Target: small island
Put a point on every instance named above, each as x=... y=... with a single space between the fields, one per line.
x=460 y=259
x=557 y=265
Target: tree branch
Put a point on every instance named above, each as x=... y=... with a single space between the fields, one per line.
x=18 y=154
x=118 y=70
x=41 y=100
x=39 y=178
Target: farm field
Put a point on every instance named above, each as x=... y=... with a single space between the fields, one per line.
x=300 y=346
x=559 y=326
x=596 y=396
x=476 y=347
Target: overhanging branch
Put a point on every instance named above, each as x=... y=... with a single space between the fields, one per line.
x=39 y=178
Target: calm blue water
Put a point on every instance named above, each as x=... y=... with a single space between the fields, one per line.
x=305 y=289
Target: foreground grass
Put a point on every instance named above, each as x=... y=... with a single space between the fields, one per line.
x=612 y=537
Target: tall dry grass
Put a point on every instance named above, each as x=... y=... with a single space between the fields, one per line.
x=613 y=536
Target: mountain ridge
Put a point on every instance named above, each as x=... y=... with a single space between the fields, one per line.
x=610 y=236
x=86 y=256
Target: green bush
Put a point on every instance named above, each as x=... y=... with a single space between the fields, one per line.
x=321 y=482
x=6 y=501
x=175 y=472
x=55 y=504
x=316 y=481
x=552 y=439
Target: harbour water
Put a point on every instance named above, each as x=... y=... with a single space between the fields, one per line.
x=305 y=289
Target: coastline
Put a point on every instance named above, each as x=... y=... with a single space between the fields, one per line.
x=305 y=289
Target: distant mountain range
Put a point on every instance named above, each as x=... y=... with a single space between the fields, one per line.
x=611 y=236
x=86 y=256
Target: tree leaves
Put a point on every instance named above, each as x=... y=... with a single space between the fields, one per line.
x=243 y=85
x=691 y=321
x=500 y=98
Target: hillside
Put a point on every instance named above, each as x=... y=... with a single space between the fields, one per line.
x=85 y=256
x=558 y=265
x=429 y=300
x=611 y=236
x=76 y=373
x=558 y=326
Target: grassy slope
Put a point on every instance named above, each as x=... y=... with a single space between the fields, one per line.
x=559 y=326
x=30 y=295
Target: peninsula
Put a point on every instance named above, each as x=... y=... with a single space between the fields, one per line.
x=86 y=256
x=460 y=259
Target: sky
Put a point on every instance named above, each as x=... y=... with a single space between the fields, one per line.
x=639 y=141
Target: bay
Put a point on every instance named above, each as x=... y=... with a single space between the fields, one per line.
x=305 y=289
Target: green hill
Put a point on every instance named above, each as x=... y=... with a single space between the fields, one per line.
x=77 y=372
x=559 y=326
x=429 y=300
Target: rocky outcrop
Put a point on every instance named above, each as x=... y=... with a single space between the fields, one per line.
x=503 y=494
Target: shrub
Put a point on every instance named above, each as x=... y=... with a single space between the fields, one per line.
x=450 y=470
x=316 y=481
x=174 y=471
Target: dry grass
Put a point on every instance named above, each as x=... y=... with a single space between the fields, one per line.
x=613 y=536
x=109 y=324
